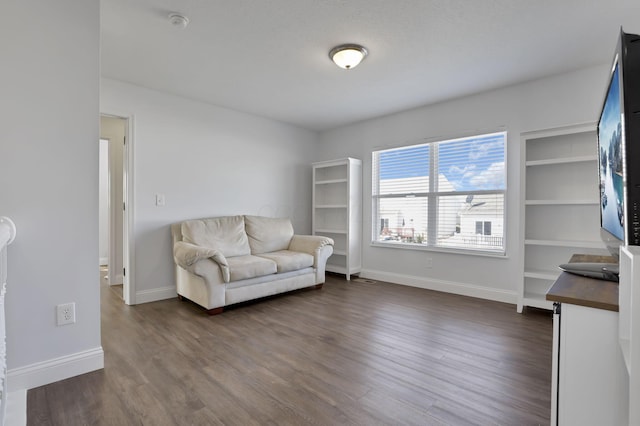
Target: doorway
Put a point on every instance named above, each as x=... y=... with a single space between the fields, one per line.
x=114 y=212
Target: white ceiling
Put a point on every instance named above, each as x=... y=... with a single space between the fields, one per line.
x=270 y=57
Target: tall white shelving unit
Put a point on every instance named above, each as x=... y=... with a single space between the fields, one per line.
x=337 y=212
x=560 y=206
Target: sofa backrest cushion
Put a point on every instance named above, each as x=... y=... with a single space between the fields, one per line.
x=267 y=234
x=225 y=234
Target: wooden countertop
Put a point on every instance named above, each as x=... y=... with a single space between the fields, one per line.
x=583 y=291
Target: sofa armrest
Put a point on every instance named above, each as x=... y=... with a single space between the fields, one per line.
x=319 y=247
x=316 y=245
x=187 y=255
x=311 y=244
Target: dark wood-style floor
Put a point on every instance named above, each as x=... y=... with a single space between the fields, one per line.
x=351 y=353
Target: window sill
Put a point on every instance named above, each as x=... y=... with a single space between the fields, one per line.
x=423 y=247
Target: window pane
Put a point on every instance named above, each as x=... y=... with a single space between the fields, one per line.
x=402 y=220
x=474 y=214
x=487 y=228
x=404 y=171
x=472 y=164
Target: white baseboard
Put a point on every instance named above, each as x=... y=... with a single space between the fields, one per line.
x=463 y=289
x=104 y=261
x=16 y=408
x=155 y=294
x=53 y=370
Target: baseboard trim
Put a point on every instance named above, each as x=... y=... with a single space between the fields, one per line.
x=104 y=261
x=155 y=294
x=463 y=289
x=53 y=370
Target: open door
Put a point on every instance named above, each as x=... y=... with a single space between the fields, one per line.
x=116 y=131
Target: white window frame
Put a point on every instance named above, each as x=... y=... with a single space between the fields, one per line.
x=433 y=196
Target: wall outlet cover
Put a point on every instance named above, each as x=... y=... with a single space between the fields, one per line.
x=66 y=313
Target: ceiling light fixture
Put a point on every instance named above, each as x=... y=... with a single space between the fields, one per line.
x=178 y=20
x=348 y=56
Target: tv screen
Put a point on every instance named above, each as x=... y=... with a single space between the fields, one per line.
x=619 y=148
x=611 y=157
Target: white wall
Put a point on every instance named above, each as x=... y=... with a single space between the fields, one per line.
x=207 y=161
x=561 y=100
x=49 y=185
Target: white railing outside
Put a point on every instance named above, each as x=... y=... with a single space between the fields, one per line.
x=7 y=235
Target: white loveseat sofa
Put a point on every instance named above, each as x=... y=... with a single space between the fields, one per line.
x=225 y=260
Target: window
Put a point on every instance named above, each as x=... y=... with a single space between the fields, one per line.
x=447 y=194
x=483 y=228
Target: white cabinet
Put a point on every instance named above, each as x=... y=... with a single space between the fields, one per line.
x=591 y=378
x=589 y=383
x=629 y=325
x=560 y=206
x=337 y=211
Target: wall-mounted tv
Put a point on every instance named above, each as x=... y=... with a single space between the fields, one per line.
x=619 y=148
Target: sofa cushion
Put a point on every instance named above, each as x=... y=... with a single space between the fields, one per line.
x=289 y=260
x=267 y=234
x=225 y=234
x=245 y=267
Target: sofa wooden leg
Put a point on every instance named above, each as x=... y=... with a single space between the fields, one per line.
x=319 y=286
x=181 y=298
x=215 y=311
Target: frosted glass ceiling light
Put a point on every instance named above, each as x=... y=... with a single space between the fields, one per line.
x=348 y=56
x=178 y=20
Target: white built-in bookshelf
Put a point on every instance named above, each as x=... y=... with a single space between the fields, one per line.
x=560 y=206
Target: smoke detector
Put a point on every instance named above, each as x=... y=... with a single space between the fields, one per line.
x=178 y=20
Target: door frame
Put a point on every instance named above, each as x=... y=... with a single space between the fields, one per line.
x=128 y=224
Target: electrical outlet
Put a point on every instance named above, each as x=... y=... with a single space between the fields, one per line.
x=429 y=263
x=66 y=313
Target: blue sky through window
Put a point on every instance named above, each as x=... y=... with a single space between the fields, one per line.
x=470 y=164
x=405 y=163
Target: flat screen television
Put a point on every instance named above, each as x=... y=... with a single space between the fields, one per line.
x=618 y=159
x=619 y=148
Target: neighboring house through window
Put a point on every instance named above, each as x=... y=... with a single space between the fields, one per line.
x=447 y=194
